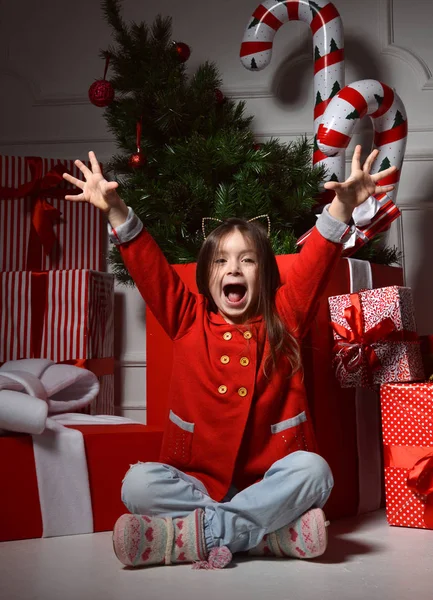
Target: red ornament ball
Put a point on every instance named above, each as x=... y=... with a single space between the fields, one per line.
x=219 y=96
x=137 y=160
x=101 y=93
x=257 y=147
x=183 y=51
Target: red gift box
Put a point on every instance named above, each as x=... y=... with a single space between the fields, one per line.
x=110 y=450
x=335 y=411
x=376 y=339
x=66 y=316
x=407 y=423
x=39 y=230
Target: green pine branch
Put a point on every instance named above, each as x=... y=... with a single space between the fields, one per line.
x=375 y=251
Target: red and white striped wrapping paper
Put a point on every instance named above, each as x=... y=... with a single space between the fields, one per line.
x=407 y=426
x=80 y=232
x=64 y=316
x=375 y=337
x=381 y=221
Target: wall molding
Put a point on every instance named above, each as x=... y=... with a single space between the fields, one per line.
x=132 y=359
x=390 y=48
x=80 y=99
x=57 y=142
x=420 y=205
x=410 y=156
x=37 y=97
x=41 y=100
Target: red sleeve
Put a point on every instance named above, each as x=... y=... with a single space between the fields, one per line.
x=304 y=282
x=167 y=296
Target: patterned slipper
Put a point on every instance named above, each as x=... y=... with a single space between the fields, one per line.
x=140 y=540
x=307 y=537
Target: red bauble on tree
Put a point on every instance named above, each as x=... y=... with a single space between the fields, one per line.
x=257 y=146
x=183 y=51
x=219 y=96
x=138 y=159
x=101 y=92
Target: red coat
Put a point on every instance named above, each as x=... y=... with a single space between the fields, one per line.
x=228 y=423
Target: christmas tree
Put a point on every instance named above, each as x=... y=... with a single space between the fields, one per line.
x=333 y=46
x=398 y=119
x=353 y=115
x=385 y=164
x=314 y=7
x=187 y=152
x=379 y=99
x=335 y=89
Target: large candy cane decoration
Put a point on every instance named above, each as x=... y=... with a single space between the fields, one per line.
x=328 y=44
x=387 y=112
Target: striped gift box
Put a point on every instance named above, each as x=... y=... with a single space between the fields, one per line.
x=66 y=316
x=381 y=222
x=31 y=201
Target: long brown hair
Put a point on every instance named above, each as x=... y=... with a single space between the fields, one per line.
x=282 y=342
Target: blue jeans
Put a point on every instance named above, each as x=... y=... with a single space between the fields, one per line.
x=291 y=486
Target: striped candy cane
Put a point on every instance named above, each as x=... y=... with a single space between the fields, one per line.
x=328 y=49
x=387 y=112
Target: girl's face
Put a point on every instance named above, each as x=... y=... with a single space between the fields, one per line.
x=233 y=281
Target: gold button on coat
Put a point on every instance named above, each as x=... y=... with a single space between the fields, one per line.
x=222 y=389
x=248 y=335
x=242 y=391
x=227 y=335
x=224 y=359
x=244 y=361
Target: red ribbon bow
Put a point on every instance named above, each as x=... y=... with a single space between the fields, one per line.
x=44 y=214
x=355 y=346
x=420 y=480
x=417 y=461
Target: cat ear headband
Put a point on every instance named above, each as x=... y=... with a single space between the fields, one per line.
x=204 y=219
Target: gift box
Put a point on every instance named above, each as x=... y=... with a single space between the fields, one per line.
x=347 y=425
x=39 y=229
x=66 y=316
x=407 y=424
x=109 y=452
x=375 y=337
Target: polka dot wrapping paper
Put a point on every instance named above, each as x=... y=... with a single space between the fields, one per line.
x=375 y=337
x=407 y=427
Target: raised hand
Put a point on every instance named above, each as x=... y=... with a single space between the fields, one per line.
x=358 y=186
x=98 y=191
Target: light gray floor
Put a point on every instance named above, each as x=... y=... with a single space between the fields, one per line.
x=366 y=559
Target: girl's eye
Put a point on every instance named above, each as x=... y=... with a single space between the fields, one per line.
x=249 y=260
x=220 y=261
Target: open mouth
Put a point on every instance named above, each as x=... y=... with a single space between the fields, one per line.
x=235 y=293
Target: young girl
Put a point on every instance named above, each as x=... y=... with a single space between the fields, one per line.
x=236 y=471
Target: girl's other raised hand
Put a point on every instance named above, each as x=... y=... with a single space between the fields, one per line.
x=96 y=190
x=358 y=186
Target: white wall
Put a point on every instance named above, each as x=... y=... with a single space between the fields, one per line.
x=49 y=57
